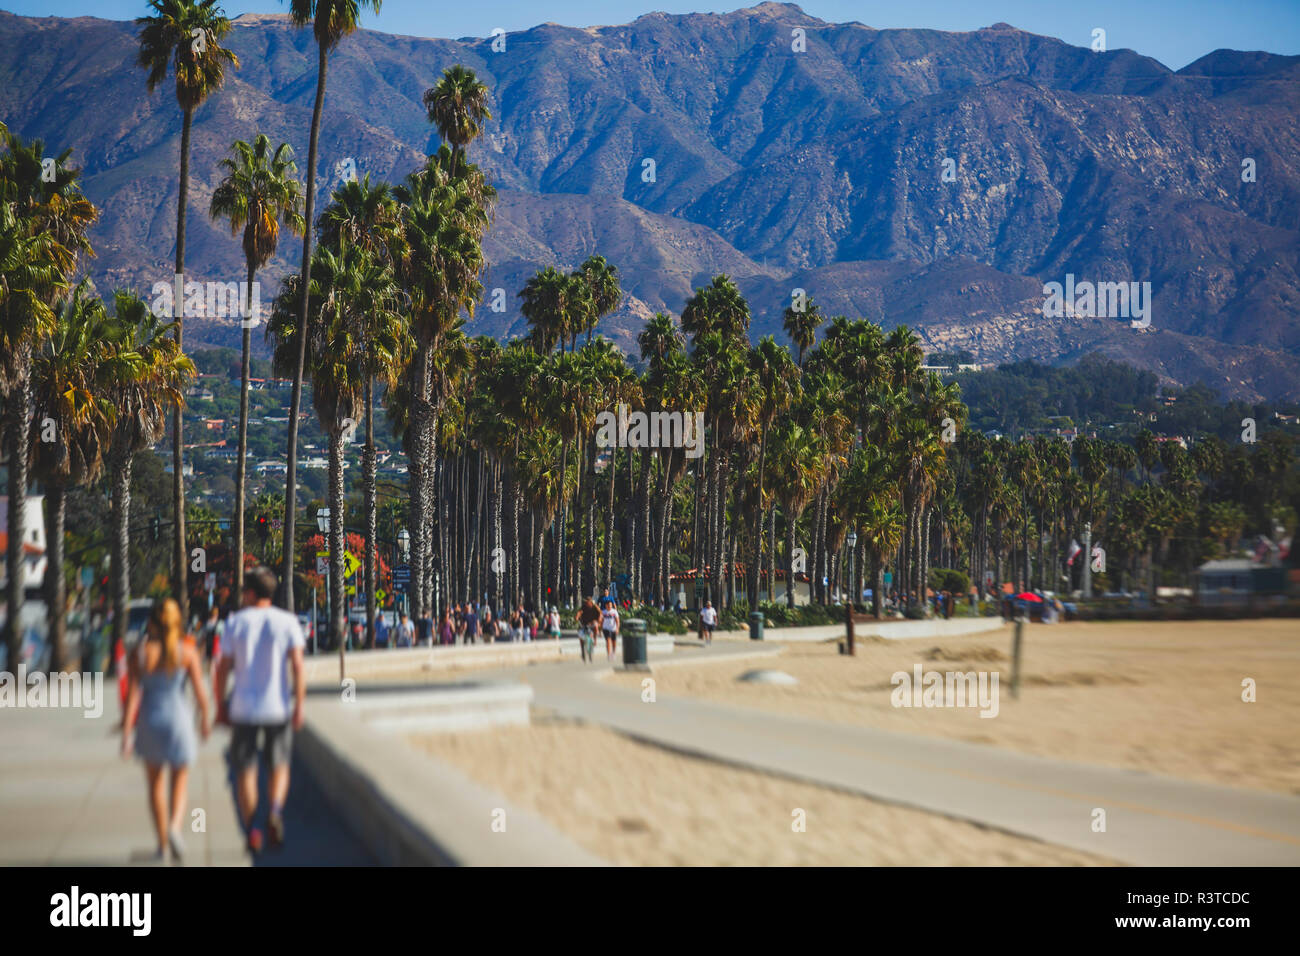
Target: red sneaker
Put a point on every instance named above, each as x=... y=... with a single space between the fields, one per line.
x=254 y=840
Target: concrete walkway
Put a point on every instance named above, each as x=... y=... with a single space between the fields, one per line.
x=1151 y=820
x=68 y=798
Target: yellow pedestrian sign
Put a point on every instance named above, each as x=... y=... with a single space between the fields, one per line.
x=350 y=564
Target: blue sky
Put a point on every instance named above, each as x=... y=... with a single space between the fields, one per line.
x=1175 y=32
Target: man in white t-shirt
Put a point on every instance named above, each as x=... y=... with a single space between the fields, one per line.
x=708 y=621
x=263 y=648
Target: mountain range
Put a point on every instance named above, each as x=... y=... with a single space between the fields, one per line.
x=907 y=176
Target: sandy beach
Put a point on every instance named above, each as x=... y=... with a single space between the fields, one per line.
x=1163 y=698
x=636 y=804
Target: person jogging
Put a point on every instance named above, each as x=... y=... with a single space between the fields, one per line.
x=610 y=625
x=263 y=650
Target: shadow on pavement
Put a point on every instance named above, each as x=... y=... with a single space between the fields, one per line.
x=313 y=833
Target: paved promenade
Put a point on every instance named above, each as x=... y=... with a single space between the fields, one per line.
x=68 y=798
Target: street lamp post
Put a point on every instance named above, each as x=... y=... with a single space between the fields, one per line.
x=323 y=523
x=404 y=545
x=852 y=541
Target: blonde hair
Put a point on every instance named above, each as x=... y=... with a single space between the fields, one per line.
x=165 y=626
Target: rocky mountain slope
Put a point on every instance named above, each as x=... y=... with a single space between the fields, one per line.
x=938 y=179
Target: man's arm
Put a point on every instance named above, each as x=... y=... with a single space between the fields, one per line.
x=224 y=666
x=299 y=684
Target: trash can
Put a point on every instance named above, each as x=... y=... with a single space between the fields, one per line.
x=634 y=644
x=756 y=626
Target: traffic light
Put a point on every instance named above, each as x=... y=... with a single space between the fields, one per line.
x=263 y=528
x=155 y=527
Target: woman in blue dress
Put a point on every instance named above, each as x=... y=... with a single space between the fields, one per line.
x=161 y=720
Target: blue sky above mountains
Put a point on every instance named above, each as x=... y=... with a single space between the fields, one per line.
x=1175 y=32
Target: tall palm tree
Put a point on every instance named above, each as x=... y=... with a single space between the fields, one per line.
x=43 y=225
x=336 y=382
x=183 y=37
x=70 y=373
x=458 y=104
x=259 y=192
x=778 y=384
x=149 y=381
x=331 y=21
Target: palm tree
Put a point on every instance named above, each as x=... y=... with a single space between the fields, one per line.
x=337 y=383
x=376 y=341
x=443 y=220
x=331 y=21
x=457 y=105
x=43 y=226
x=778 y=384
x=183 y=36
x=801 y=325
x=72 y=404
x=149 y=381
x=796 y=463
x=551 y=302
x=258 y=192
x=601 y=293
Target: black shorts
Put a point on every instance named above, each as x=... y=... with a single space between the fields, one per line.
x=276 y=743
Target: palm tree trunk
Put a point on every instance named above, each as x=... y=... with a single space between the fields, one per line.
x=120 y=553
x=372 y=517
x=180 y=584
x=756 y=529
x=56 y=588
x=242 y=440
x=338 y=616
x=771 y=552
x=295 y=402
x=609 y=520
x=17 y=426
x=791 y=520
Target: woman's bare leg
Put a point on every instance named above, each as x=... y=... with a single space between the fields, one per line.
x=157 y=802
x=180 y=785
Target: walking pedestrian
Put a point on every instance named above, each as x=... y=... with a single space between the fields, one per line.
x=588 y=618
x=610 y=626
x=159 y=724
x=470 y=635
x=708 y=621
x=553 y=623
x=263 y=652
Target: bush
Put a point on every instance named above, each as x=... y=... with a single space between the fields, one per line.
x=948 y=579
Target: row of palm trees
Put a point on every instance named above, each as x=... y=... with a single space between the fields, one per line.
x=84 y=387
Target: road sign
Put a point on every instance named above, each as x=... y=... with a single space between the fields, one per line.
x=87 y=577
x=322 y=564
x=889 y=579
x=350 y=564
x=402 y=574
x=988 y=578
